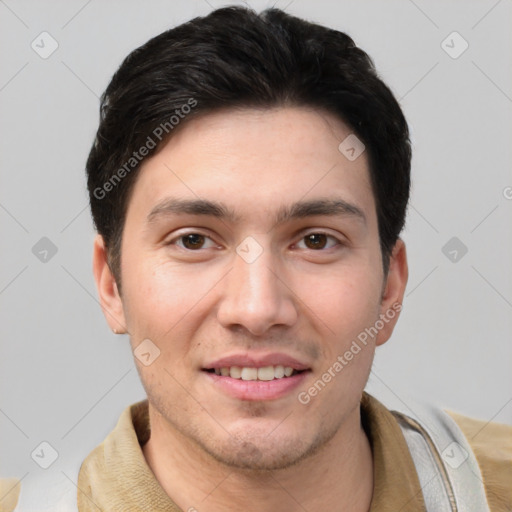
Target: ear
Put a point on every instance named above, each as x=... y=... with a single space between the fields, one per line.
x=110 y=299
x=393 y=294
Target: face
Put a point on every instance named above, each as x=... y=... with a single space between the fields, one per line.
x=251 y=251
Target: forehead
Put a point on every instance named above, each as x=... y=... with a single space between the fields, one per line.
x=257 y=162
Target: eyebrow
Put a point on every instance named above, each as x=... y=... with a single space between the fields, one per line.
x=325 y=207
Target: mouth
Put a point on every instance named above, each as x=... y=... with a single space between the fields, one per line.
x=247 y=377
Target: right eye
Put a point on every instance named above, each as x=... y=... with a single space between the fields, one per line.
x=192 y=241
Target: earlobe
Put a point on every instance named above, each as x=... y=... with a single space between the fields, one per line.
x=109 y=296
x=392 y=298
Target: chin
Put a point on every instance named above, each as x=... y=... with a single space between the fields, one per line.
x=263 y=454
x=250 y=458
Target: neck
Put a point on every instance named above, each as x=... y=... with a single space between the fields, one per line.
x=338 y=477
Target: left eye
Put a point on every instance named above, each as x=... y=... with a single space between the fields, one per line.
x=318 y=241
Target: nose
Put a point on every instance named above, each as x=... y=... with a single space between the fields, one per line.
x=256 y=295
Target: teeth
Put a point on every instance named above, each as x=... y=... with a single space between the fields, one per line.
x=248 y=373
x=279 y=372
x=235 y=372
x=266 y=373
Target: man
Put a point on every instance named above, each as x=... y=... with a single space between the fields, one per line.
x=249 y=182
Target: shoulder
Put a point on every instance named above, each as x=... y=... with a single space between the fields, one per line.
x=492 y=445
x=9 y=493
x=42 y=490
x=39 y=493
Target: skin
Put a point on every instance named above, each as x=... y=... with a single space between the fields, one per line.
x=211 y=451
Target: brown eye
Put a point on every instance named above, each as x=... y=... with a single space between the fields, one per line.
x=315 y=240
x=318 y=241
x=193 y=241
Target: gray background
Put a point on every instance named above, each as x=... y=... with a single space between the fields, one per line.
x=65 y=378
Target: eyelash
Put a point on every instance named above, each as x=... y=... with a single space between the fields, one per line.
x=182 y=235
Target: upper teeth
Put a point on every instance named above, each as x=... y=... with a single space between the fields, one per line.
x=263 y=373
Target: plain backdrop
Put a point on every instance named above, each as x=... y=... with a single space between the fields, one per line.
x=65 y=378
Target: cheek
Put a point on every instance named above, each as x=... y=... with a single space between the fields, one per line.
x=152 y=297
x=345 y=301
x=160 y=295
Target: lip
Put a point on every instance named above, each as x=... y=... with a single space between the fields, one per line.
x=256 y=389
x=257 y=361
